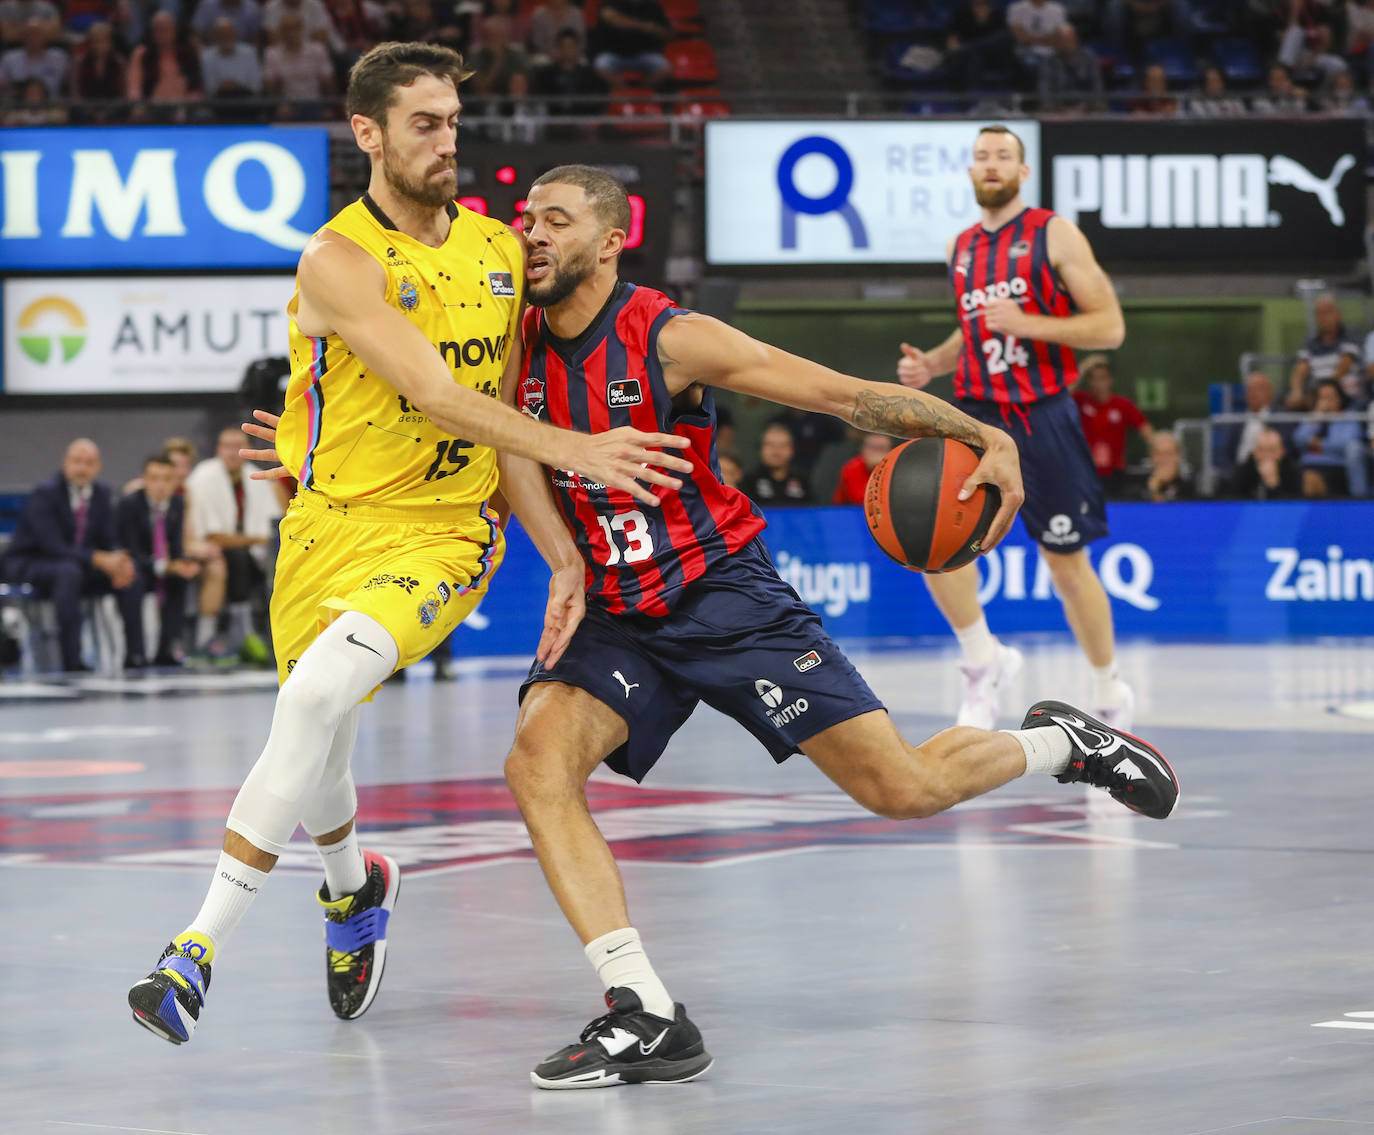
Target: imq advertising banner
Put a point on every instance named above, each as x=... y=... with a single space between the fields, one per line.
x=1210 y=191
x=1239 y=572
x=140 y=335
x=839 y=192
x=159 y=197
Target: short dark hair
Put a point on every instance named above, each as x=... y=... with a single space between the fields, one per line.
x=1336 y=386
x=607 y=195
x=568 y=33
x=373 y=79
x=158 y=459
x=998 y=128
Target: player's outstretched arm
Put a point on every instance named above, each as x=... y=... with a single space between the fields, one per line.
x=525 y=486
x=342 y=290
x=1096 y=326
x=697 y=348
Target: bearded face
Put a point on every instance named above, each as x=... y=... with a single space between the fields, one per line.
x=550 y=279
x=996 y=194
x=433 y=189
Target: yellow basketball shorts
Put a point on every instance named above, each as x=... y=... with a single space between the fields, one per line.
x=418 y=578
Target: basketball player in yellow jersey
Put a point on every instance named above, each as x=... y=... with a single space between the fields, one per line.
x=403 y=328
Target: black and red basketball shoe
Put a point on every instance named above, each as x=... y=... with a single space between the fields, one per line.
x=355 y=928
x=1132 y=772
x=628 y=1046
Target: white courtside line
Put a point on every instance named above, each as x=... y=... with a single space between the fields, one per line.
x=1365 y=1020
x=112 y=1127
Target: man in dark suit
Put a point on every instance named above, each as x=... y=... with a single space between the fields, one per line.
x=151 y=524
x=65 y=544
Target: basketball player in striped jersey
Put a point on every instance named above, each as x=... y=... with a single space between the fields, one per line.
x=403 y=331
x=683 y=605
x=1029 y=293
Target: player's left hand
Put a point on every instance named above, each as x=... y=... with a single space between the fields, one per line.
x=1005 y=317
x=567 y=605
x=1001 y=466
x=268 y=433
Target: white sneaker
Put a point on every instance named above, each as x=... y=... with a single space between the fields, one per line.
x=1121 y=715
x=983 y=687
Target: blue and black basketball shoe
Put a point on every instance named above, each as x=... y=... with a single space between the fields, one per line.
x=1131 y=771
x=627 y=1046
x=169 y=1000
x=355 y=936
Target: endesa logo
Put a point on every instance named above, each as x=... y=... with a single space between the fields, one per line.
x=152 y=197
x=1001 y=290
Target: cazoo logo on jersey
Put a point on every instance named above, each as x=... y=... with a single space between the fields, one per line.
x=1200 y=191
x=1001 y=290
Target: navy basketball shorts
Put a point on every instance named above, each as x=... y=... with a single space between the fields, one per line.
x=1065 y=508
x=740 y=640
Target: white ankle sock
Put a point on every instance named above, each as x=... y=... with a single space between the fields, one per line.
x=231 y=893
x=1106 y=685
x=977 y=642
x=344 y=870
x=1047 y=748
x=619 y=960
x=205 y=629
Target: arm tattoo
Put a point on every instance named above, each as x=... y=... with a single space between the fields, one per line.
x=905 y=415
x=665 y=360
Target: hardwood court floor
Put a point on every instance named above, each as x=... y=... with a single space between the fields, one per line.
x=1031 y=962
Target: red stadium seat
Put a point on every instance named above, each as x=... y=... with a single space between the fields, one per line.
x=693 y=61
x=637 y=114
x=702 y=105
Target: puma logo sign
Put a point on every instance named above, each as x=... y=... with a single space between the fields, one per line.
x=1285 y=171
x=619 y=677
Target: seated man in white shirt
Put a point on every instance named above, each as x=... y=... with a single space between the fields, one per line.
x=240 y=515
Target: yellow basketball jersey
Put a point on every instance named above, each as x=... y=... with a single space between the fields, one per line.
x=345 y=432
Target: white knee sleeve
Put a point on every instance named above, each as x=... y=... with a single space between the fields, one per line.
x=337 y=670
x=335 y=801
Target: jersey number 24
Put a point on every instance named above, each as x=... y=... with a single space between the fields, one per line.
x=1003 y=354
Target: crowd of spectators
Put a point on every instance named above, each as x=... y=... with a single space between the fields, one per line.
x=256 y=60
x=184 y=536
x=1197 y=58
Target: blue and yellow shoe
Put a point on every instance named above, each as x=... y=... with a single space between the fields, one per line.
x=355 y=936
x=169 y=1000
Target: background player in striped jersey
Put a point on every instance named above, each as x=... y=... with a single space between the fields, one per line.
x=683 y=605
x=1029 y=293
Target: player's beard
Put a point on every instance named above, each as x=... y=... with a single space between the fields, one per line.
x=995 y=196
x=554 y=288
x=426 y=191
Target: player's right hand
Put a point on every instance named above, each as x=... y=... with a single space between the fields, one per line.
x=622 y=457
x=1000 y=466
x=913 y=368
x=268 y=433
x=567 y=604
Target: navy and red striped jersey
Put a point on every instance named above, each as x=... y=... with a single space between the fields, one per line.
x=638 y=558
x=1012 y=263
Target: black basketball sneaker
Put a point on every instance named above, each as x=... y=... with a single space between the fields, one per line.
x=355 y=936
x=168 y=1001
x=627 y=1046
x=1133 y=773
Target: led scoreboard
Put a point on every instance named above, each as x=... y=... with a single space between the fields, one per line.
x=494 y=178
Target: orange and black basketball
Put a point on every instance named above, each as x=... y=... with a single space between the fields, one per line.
x=913 y=506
